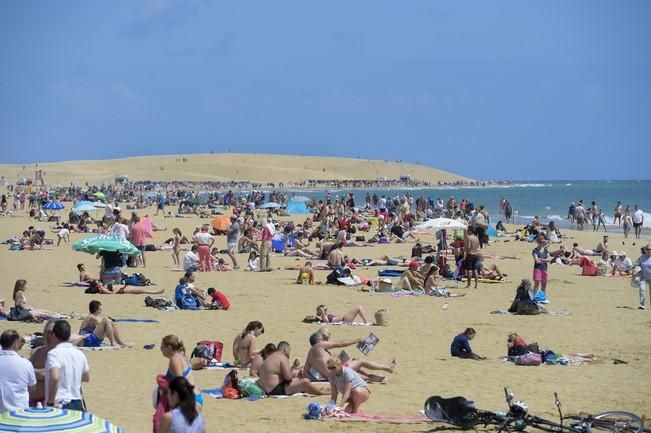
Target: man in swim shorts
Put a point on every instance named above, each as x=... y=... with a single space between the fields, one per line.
x=471 y=256
x=277 y=377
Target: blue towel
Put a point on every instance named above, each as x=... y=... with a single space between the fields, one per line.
x=390 y=273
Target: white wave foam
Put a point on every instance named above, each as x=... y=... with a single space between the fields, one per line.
x=568 y=184
x=554 y=218
x=532 y=185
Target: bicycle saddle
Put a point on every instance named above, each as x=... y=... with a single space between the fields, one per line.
x=455 y=410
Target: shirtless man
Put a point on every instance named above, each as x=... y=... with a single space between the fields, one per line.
x=83 y=276
x=411 y=279
x=278 y=378
x=95 y=328
x=471 y=256
x=336 y=258
x=38 y=358
x=341 y=239
x=601 y=246
x=324 y=249
x=315 y=368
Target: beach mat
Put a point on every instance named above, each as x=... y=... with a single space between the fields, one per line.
x=133 y=320
x=390 y=272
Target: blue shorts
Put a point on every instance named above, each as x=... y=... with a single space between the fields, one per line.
x=92 y=340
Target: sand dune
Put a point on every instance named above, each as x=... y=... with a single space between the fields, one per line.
x=225 y=166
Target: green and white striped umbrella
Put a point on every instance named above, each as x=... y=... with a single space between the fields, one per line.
x=95 y=244
x=49 y=419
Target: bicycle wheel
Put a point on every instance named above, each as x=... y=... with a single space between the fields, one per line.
x=616 y=422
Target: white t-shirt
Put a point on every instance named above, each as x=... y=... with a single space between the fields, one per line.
x=623 y=265
x=203 y=238
x=120 y=230
x=63 y=233
x=16 y=374
x=189 y=260
x=638 y=216
x=72 y=363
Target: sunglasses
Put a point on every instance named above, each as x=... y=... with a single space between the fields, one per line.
x=332 y=368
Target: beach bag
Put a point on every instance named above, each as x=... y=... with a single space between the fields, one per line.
x=229 y=389
x=137 y=279
x=189 y=302
x=248 y=387
x=533 y=348
x=382 y=317
x=208 y=350
x=338 y=272
x=529 y=359
x=19 y=314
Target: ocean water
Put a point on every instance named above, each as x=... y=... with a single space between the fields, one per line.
x=550 y=200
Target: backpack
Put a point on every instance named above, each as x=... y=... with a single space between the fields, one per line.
x=338 y=272
x=136 y=279
x=208 y=350
x=220 y=301
x=189 y=302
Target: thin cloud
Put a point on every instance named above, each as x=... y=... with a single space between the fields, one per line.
x=224 y=46
x=158 y=16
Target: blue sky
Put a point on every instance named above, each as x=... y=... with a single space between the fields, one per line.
x=503 y=89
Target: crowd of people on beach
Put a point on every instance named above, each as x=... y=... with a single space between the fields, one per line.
x=337 y=225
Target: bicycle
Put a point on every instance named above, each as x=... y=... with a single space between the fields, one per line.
x=462 y=413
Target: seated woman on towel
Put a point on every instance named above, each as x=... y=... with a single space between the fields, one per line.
x=490 y=272
x=20 y=300
x=524 y=303
x=347 y=382
x=349 y=317
x=95 y=328
x=244 y=344
x=431 y=285
x=300 y=248
x=516 y=345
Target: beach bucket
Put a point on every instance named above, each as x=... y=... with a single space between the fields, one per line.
x=382 y=317
x=385 y=285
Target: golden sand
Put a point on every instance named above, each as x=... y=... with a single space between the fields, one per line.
x=418 y=336
x=225 y=166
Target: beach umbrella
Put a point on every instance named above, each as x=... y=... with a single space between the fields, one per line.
x=222 y=222
x=99 y=195
x=270 y=205
x=441 y=223
x=94 y=244
x=82 y=207
x=49 y=419
x=53 y=205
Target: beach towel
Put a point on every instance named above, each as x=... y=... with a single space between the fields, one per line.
x=76 y=284
x=344 y=323
x=217 y=393
x=216 y=365
x=104 y=346
x=130 y=320
x=390 y=272
x=549 y=313
x=339 y=414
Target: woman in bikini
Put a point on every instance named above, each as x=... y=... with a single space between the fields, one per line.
x=349 y=317
x=244 y=344
x=172 y=348
x=176 y=247
x=21 y=303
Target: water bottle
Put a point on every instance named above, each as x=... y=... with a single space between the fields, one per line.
x=445 y=306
